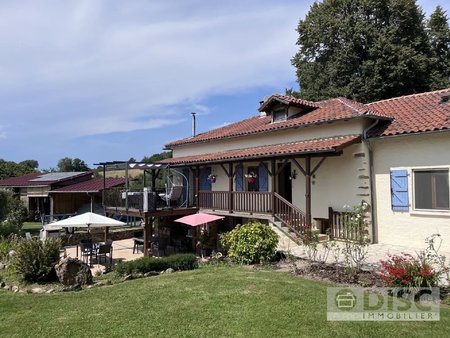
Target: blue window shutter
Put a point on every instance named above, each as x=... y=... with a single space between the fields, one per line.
x=205 y=184
x=399 y=190
x=239 y=178
x=263 y=178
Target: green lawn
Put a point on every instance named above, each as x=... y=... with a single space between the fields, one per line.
x=32 y=227
x=208 y=302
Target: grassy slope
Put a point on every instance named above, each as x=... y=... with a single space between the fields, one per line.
x=32 y=227
x=207 y=302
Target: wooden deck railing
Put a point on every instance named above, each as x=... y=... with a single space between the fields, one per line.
x=290 y=215
x=241 y=201
x=339 y=228
x=254 y=202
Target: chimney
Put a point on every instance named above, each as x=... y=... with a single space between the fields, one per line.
x=193 y=125
x=262 y=113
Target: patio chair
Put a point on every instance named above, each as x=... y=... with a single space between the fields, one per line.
x=172 y=195
x=103 y=251
x=86 y=251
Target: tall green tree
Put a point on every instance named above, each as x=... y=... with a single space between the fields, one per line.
x=13 y=169
x=68 y=164
x=439 y=37
x=362 y=49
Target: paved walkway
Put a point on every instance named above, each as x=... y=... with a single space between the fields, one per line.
x=376 y=252
x=122 y=251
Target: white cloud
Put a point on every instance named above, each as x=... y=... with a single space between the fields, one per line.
x=122 y=65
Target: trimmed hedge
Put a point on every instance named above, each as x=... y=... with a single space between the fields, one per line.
x=147 y=264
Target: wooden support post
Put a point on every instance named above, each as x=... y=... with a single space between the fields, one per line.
x=273 y=176
x=230 y=187
x=104 y=188
x=330 y=222
x=153 y=179
x=146 y=234
x=106 y=233
x=308 y=190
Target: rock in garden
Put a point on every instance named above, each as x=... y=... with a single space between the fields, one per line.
x=37 y=290
x=73 y=272
x=169 y=270
x=2 y=284
x=2 y=266
x=151 y=273
x=50 y=291
x=15 y=289
x=128 y=277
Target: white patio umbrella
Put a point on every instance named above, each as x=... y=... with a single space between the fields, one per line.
x=86 y=220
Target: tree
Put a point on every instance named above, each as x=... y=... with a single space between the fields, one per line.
x=366 y=50
x=12 y=213
x=68 y=164
x=13 y=169
x=157 y=157
x=439 y=37
x=33 y=164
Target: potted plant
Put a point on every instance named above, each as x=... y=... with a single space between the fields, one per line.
x=251 y=177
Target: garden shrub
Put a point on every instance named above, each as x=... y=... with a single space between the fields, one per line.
x=147 y=264
x=357 y=240
x=405 y=271
x=12 y=214
x=6 y=245
x=34 y=260
x=250 y=243
x=7 y=228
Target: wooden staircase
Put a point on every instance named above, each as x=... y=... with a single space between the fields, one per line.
x=291 y=221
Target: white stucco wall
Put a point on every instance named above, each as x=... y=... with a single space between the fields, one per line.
x=339 y=181
x=409 y=152
x=291 y=135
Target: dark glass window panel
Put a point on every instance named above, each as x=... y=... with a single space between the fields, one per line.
x=279 y=115
x=431 y=189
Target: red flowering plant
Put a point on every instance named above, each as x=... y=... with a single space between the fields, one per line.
x=405 y=271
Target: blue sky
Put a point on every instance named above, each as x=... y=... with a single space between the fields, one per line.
x=108 y=80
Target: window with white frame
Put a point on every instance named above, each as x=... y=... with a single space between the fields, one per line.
x=431 y=189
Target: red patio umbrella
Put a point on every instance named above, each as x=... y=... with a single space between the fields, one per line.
x=198 y=219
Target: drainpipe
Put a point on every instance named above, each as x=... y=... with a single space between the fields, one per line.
x=372 y=183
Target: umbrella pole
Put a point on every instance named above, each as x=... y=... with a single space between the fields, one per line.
x=106 y=234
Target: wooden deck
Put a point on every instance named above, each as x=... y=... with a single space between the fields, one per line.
x=160 y=212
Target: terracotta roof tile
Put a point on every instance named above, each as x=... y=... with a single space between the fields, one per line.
x=414 y=113
x=293 y=101
x=93 y=185
x=330 y=110
x=19 y=181
x=323 y=145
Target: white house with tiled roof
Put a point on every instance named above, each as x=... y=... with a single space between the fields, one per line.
x=298 y=163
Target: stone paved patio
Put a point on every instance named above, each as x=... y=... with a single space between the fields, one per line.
x=122 y=251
